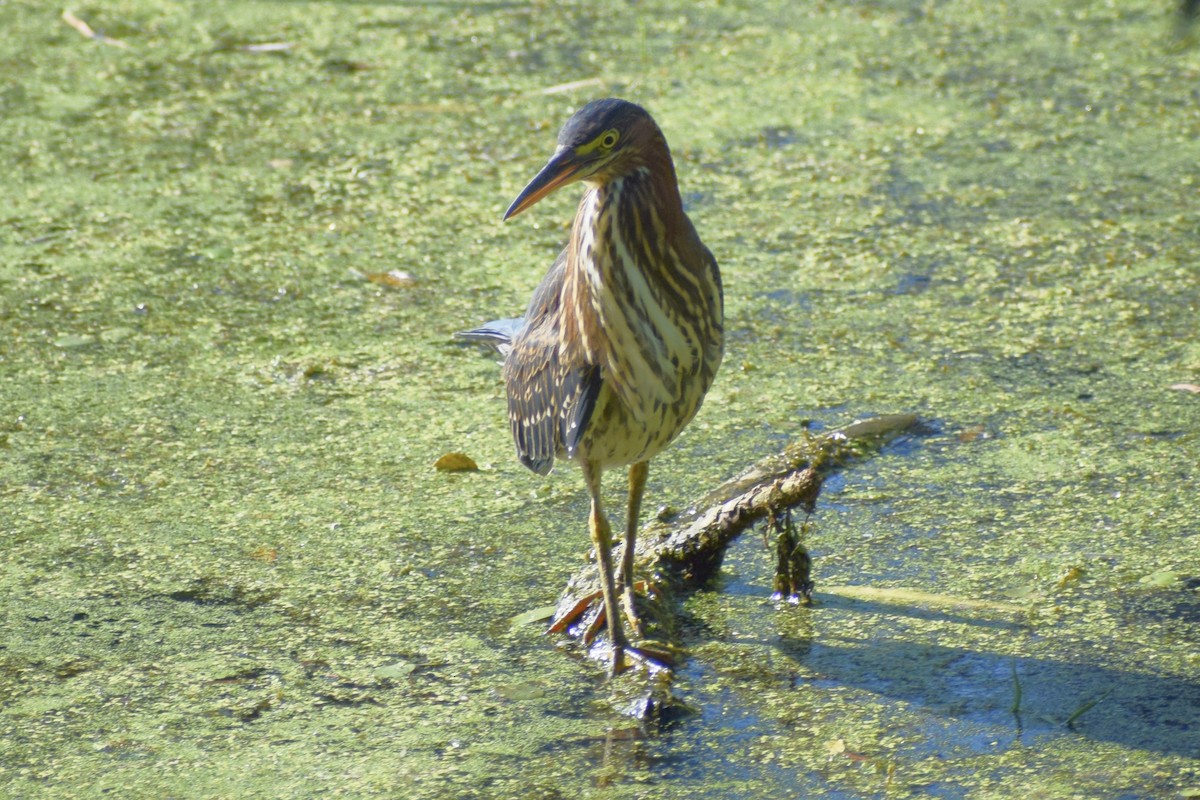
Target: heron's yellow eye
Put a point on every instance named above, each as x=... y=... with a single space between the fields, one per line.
x=609 y=140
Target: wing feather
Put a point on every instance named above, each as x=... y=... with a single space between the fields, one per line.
x=550 y=400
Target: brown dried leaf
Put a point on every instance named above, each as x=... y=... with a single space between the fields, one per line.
x=1185 y=387
x=972 y=433
x=265 y=554
x=456 y=462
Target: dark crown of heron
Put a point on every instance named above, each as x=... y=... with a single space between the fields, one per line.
x=613 y=137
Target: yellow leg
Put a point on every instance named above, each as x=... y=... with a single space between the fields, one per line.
x=602 y=539
x=625 y=578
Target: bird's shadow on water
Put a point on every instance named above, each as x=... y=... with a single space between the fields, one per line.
x=1030 y=697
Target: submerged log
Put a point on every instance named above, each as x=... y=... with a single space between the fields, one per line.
x=680 y=554
x=695 y=543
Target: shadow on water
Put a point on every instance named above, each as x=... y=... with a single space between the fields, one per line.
x=957 y=702
x=1029 y=696
x=777 y=671
x=969 y=699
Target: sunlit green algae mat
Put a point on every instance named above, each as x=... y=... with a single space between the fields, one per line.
x=236 y=240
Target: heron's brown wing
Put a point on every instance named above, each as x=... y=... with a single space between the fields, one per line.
x=549 y=400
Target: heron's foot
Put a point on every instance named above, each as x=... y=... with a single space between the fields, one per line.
x=588 y=612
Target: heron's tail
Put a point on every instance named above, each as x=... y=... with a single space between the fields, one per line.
x=497 y=334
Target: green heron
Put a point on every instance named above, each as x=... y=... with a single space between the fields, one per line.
x=624 y=334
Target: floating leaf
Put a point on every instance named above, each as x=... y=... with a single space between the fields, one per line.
x=1161 y=579
x=520 y=692
x=456 y=462
x=74 y=340
x=396 y=671
x=533 y=615
x=116 y=334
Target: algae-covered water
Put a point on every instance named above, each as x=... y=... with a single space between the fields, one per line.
x=230 y=568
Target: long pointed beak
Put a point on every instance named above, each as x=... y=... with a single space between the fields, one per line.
x=560 y=170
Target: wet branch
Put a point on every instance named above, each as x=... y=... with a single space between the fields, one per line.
x=682 y=553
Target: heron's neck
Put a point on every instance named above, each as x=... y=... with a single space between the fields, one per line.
x=642 y=202
x=624 y=263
